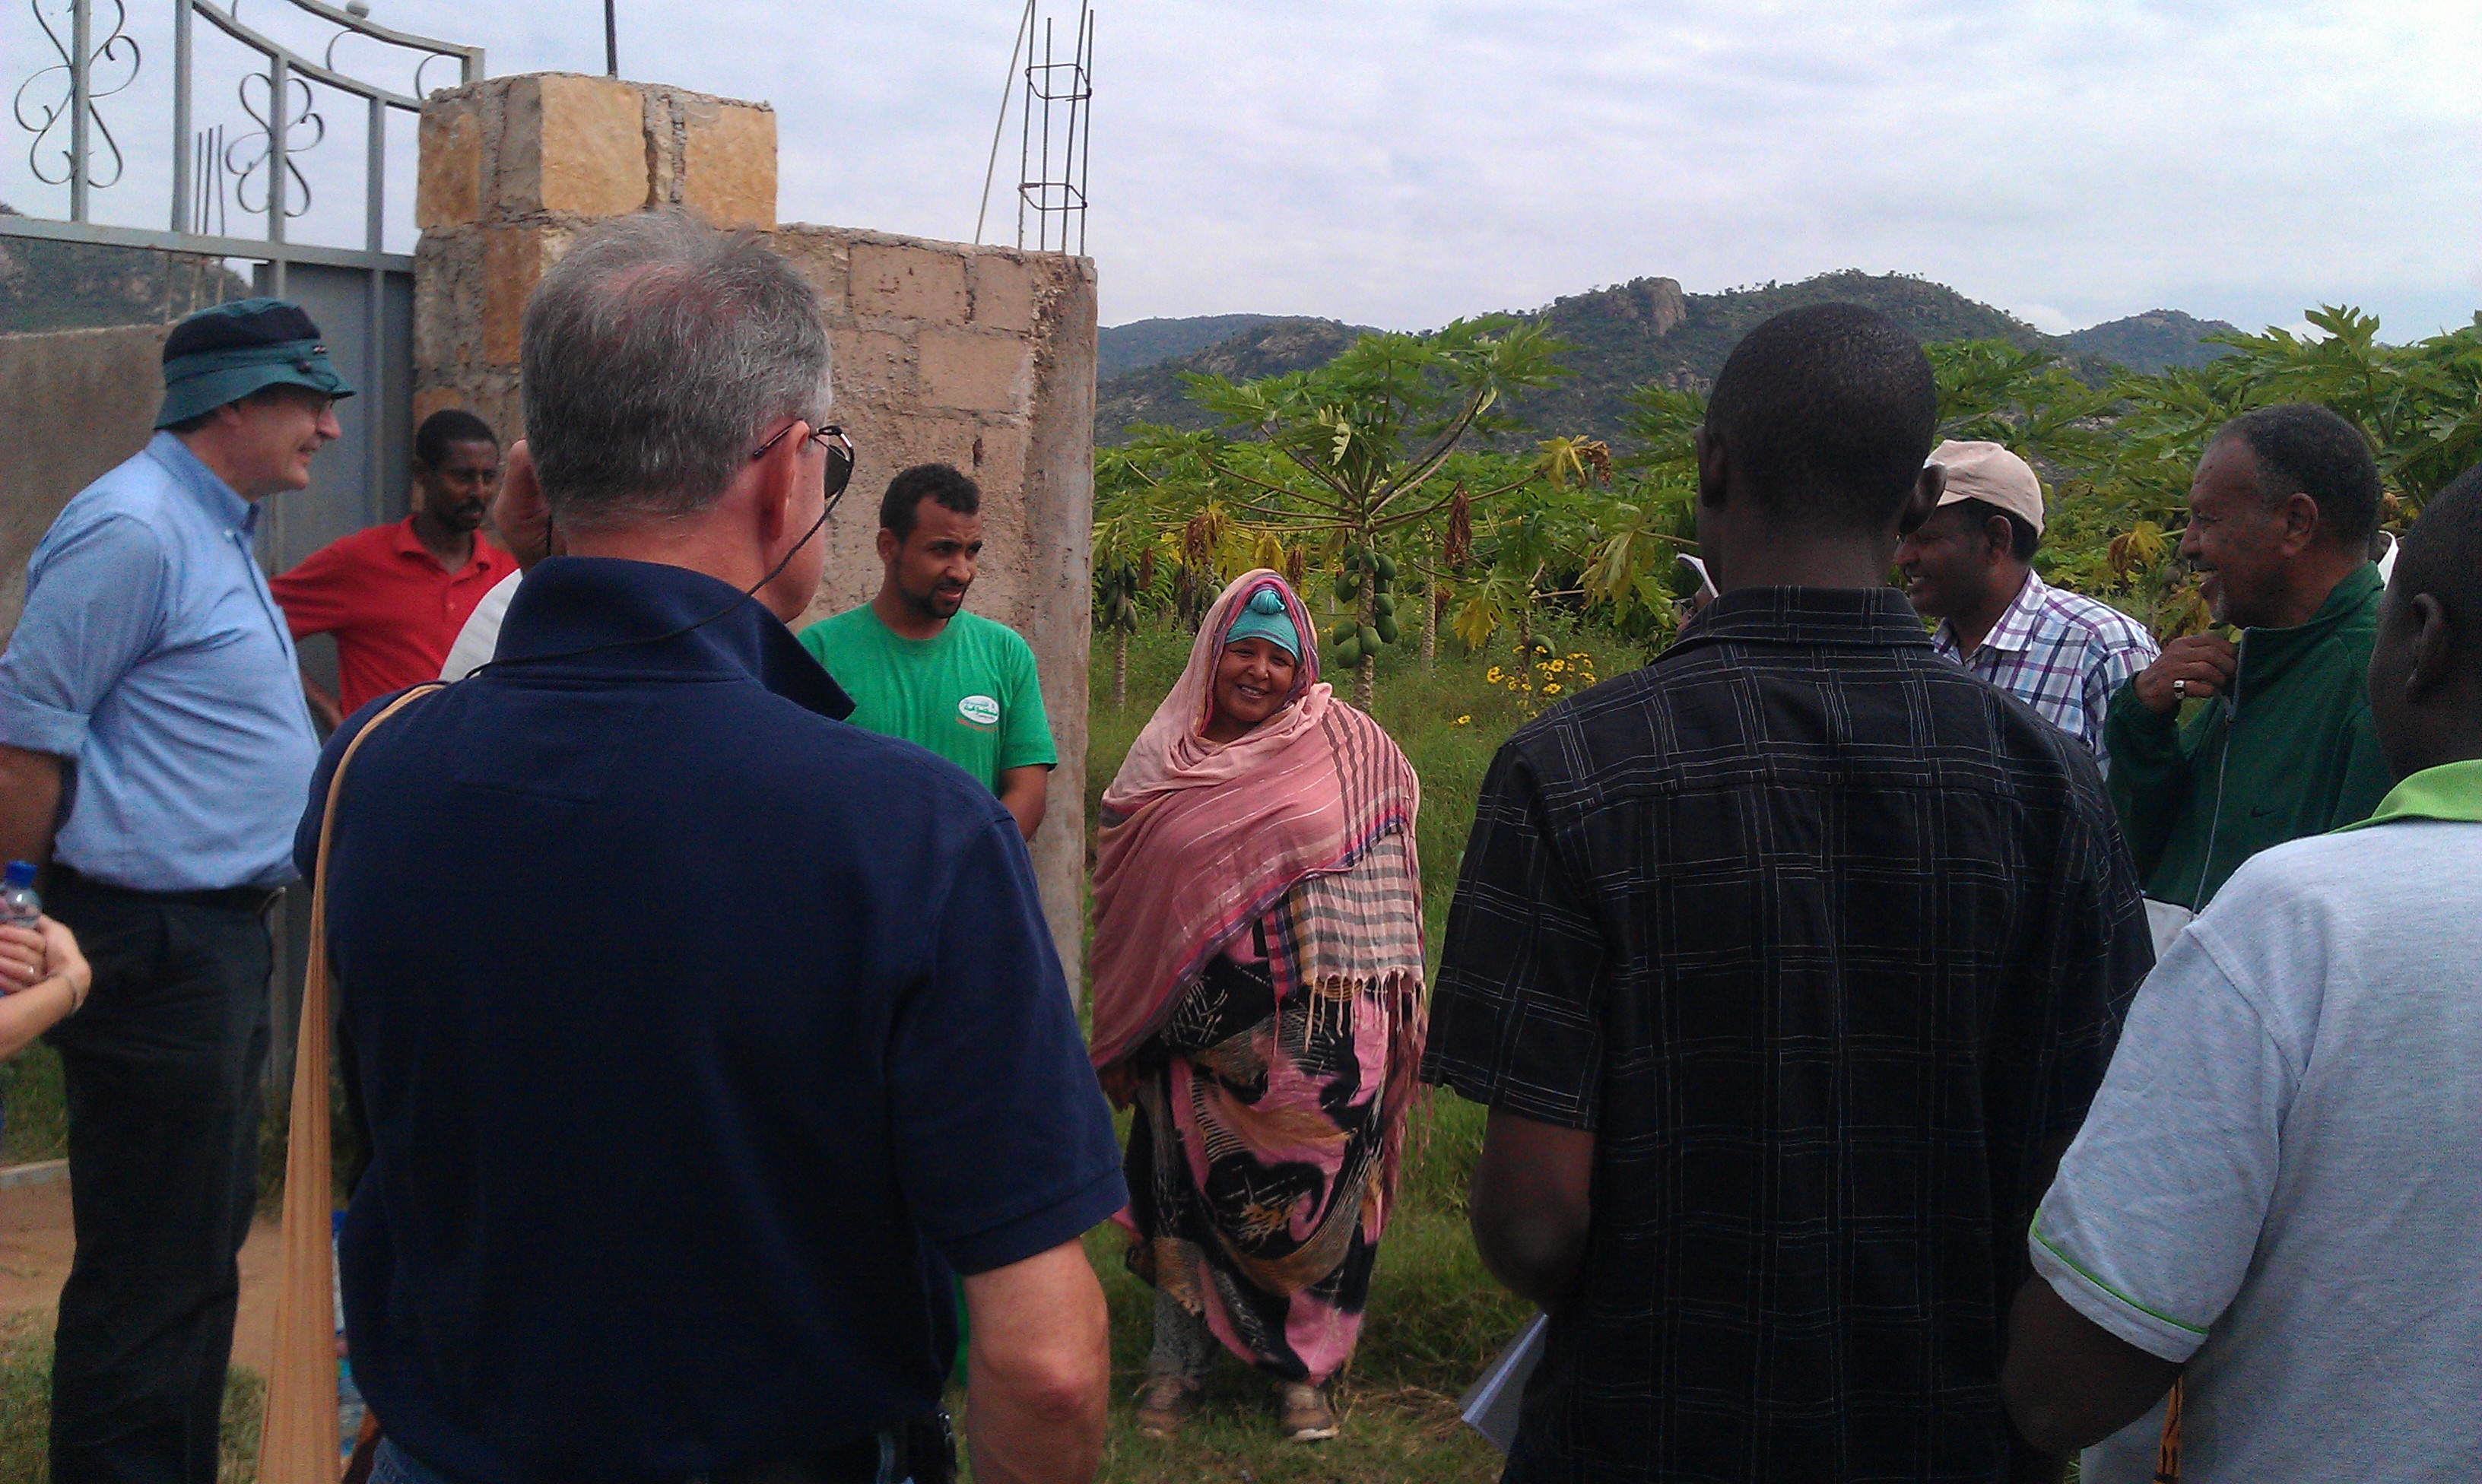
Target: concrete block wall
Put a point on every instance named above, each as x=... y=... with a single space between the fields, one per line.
x=981 y=358
x=105 y=385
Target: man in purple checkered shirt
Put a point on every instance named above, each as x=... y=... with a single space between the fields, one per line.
x=1970 y=567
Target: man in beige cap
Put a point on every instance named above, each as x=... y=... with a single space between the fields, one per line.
x=1970 y=567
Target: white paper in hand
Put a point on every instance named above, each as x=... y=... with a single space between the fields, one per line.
x=1489 y=1405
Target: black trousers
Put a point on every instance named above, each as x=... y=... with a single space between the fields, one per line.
x=163 y=1071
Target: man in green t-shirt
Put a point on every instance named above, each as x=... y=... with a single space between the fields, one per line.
x=919 y=667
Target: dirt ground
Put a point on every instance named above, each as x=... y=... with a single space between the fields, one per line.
x=37 y=1242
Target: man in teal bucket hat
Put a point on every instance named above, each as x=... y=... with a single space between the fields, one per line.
x=155 y=751
x=222 y=356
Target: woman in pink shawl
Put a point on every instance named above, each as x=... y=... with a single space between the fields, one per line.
x=1258 y=997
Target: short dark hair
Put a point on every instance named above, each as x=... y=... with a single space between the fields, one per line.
x=943 y=482
x=447 y=425
x=1829 y=412
x=2442 y=556
x=2023 y=540
x=2302 y=448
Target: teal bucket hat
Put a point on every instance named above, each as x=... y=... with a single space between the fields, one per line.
x=224 y=353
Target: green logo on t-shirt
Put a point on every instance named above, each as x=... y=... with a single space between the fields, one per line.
x=980 y=710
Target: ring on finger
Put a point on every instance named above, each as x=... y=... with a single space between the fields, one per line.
x=2180 y=690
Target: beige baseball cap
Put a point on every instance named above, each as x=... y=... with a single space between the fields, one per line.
x=1977 y=470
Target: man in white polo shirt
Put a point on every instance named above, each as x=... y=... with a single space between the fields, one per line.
x=1972 y=567
x=2276 y=1201
x=522 y=521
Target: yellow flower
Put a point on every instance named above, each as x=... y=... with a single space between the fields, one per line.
x=1465 y=720
x=1492 y=675
x=1552 y=688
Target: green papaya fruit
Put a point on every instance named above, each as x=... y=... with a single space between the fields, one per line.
x=1348 y=588
x=1369 y=637
x=1353 y=558
x=1348 y=655
x=1383 y=605
x=1388 y=630
x=1386 y=568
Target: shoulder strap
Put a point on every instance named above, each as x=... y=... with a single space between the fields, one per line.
x=2167 y=1453
x=297 y=1442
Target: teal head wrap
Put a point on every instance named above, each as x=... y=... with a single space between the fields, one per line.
x=1265 y=617
x=224 y=353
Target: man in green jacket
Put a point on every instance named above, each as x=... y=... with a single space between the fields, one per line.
x=2280 y=742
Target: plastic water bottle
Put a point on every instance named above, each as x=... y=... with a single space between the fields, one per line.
x=19 y=906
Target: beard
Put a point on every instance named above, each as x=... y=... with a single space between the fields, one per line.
x=942 y=602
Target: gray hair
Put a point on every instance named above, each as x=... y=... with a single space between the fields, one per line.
x=654 y=351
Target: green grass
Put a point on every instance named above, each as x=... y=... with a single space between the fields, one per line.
x=37 y=1112
x=1434 y=1320
x=25 y=1408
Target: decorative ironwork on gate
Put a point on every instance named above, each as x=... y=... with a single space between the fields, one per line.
x=258 y=170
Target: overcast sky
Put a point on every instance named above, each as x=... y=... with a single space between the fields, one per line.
x=1398 y=163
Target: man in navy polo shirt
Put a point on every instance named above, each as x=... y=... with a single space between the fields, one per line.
x=751 y=1021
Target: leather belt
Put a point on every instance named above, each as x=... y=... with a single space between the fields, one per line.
x=253 y=899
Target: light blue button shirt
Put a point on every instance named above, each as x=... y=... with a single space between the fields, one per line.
x=152 y=654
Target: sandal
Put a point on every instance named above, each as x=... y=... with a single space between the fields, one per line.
x=1308 y=1415
x=1164 y=1403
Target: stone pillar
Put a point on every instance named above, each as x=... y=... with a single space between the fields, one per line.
x=981 y=358
x=512 y=167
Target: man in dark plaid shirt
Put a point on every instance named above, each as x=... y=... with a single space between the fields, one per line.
x=1786 y=965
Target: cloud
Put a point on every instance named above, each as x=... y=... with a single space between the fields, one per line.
x=2044 y=318
x=1398 y=163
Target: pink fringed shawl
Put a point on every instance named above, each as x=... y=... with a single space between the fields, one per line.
x=1199 y=838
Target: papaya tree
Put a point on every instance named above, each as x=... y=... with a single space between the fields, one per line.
x=1342 y=458
x=1129 y=535
x=1531 y=552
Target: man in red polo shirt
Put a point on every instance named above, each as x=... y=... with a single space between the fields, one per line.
x=394 y=596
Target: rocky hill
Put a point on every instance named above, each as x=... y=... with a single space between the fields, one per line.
x=61 y=285
x=2147 y=343
x=1120 y=348
x=1648 y=330
x=1155 y=394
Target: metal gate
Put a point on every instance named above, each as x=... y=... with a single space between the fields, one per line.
x=256 y=158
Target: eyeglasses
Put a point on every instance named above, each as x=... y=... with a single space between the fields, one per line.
x=839 y=450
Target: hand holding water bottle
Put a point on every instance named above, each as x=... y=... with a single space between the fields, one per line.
x=43 y=976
